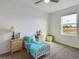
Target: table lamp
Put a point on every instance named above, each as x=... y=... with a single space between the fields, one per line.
x=13 y=31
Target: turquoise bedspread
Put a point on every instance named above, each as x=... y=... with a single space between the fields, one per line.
x=36 y=48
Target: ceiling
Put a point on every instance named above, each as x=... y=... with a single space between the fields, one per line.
x=51 y=7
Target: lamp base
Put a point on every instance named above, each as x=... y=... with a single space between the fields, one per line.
x=13 y=35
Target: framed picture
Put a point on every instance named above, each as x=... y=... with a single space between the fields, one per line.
x=17 y=35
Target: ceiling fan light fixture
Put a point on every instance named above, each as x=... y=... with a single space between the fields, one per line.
x=46 y=1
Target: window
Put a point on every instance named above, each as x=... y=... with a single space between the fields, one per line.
x=69 y=25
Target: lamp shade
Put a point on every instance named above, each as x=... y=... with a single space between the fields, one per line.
x=12 y=28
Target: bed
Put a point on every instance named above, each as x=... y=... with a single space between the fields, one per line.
x=36 y=48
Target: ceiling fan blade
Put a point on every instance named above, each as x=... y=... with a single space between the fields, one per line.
x=38 y=2
x=54 y=1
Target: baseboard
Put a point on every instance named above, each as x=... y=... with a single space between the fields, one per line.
x=9 y=52
x=5 y=53
x=66 y=45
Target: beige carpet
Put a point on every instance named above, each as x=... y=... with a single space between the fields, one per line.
x=58 y=51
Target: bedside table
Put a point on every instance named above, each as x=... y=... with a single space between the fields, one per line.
x=16 y=45
x=50 y=38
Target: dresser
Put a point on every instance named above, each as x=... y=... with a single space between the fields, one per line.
x=16 y=45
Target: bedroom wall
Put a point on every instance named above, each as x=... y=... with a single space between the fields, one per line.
x=25 y=19
x=55 y=27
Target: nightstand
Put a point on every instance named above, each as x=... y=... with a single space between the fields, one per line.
x=16 y=45
x=50 y=38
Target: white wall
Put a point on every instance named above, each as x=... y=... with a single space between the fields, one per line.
x=26 y=20
x=56 y=27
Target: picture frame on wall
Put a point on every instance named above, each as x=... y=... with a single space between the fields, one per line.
x=17 y=35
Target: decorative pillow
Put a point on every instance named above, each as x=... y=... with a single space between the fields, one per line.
x=37 y=39
x=33 y=38
x=26 y=39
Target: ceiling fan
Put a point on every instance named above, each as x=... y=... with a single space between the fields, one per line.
x=47 y=1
